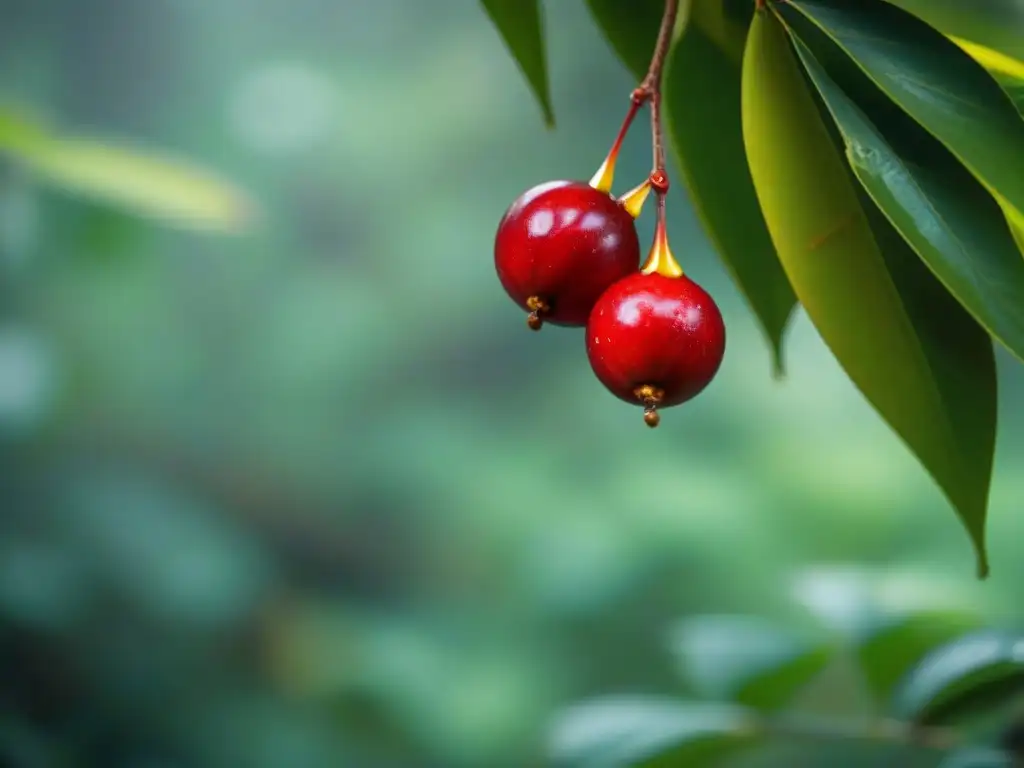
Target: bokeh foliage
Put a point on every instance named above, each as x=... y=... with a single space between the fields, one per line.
x=311 y=495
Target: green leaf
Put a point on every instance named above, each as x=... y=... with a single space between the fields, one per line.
x=746 y=660
x=961 y=675
x=938 y=84
x=993 y=23
x=630 y=28
x=172 y=190
x=647 y=732
x=977 y=757
x=702 y=121
x=520 y=25
x=889 y=647
x=951 y=222
x=923 y=363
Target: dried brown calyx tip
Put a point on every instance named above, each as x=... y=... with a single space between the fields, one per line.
x=650 y=397
x=537 y=307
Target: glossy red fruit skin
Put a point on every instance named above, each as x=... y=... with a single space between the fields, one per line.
x=659 y=331
x=565 y=242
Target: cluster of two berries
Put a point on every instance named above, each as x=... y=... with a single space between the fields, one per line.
x=568 y=253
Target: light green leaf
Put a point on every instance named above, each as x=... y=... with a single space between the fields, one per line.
x=520 y=25
x=746 y=660
x=939 y=209
x=148 y=184
x=647 y=732
x=631 y=29
x=702 y=117
x=960 y=674
x=938 y=84
x=919 y=359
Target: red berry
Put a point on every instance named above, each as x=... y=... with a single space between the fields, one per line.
x=655 y=341
x=559 y=246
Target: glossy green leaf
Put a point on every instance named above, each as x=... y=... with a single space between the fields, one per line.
x=702 y=116
x=940 y=210
x=961 y=674
x=144 y=183
x=995 y=24
x=521 y=27
x=889 y=647
x=746 y=660
x=647 y=732
x=923 y=363
x=631 y=29
x=938 y=84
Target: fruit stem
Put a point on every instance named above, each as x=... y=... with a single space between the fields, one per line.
x=605 y=175
x=633 y=201
x=660 y=260
x=650 y=90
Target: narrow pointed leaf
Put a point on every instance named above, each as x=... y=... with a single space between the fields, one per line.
x=702 y=115
x=521 y=27
x=630 y=28
x=647 y=732
x=746 y=660
x=923 y=363
x=145 y=183
x=956 y=228
x=976 y=669
x=938 y=84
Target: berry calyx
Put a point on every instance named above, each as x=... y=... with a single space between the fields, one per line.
x=560 y=245
x=656 y=338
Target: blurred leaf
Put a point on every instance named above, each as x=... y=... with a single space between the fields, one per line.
x=725 y=24
x=921 y=362
x=977 y=757
x=631 y=29
x=745 y=660
x=890 y=646
x=702 y=114
x=147 y=184
x=976 y=669
x=521 y=27
x=936 y=83
x=940 y=210
x=616 y=732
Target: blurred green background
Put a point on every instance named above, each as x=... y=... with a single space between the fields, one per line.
x=313 y=495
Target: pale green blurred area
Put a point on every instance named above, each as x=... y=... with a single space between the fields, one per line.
x=315 y=496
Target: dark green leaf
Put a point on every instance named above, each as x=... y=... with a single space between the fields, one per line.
x=961 y=674
x=746 y=660
x=521 y=27
x=631 y=28
x=922 y=362
x=617 y=732
x=993 y=23
x=940 y=210
x=889 y=647
x=936 y=83
x=702 y=115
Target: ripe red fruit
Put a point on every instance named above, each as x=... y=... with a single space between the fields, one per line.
x=655 y=341
x=559 y=246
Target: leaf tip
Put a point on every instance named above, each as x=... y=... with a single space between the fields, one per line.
x=778 y=363
x=983 y=569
